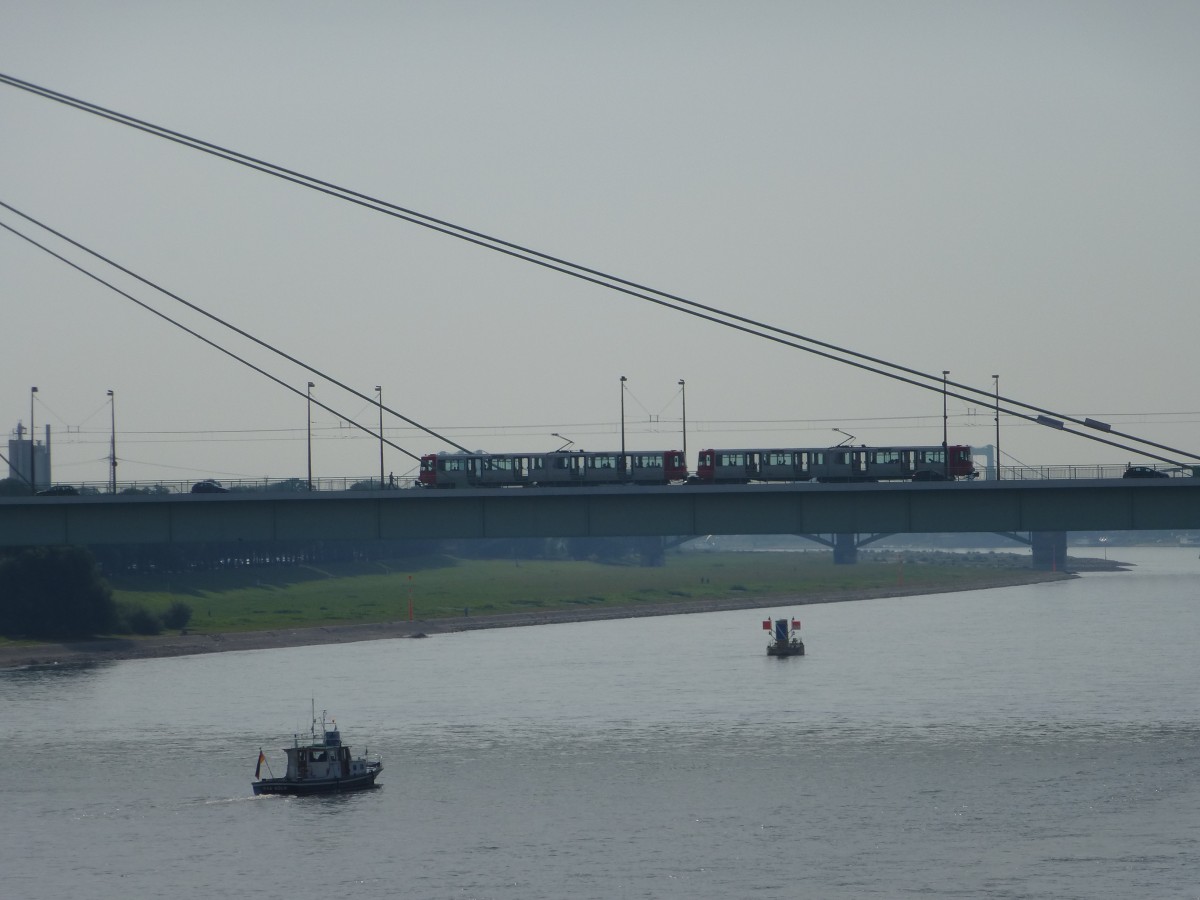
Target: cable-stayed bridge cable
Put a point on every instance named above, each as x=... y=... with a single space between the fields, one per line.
x=931 y=382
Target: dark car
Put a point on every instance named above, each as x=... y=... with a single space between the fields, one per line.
x=58 y=490
x=1143 y=472
x=208 y=486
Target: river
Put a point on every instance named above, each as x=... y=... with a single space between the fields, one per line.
x=1035 y=741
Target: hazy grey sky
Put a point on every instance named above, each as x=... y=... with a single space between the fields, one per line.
x=1004 y=188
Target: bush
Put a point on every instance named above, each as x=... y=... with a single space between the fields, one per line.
x=177 y=616
x=138 y=620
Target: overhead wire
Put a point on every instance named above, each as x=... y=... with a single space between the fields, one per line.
x=197 y=335
x=931 y=382
x=196 y=308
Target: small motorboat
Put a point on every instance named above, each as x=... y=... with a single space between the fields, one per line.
x=323 y=765
x=784 y=642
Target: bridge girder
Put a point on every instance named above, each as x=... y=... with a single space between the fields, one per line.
x=901 y=508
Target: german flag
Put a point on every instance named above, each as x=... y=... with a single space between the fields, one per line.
x=258 y=769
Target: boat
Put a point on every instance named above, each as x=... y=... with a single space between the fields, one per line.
x=784 y=642
x=323 y=765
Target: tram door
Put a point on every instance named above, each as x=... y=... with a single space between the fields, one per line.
x=858 y=464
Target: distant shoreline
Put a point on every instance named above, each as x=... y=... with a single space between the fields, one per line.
x=163 y=646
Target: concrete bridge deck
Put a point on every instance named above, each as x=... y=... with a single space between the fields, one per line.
x=931 y=507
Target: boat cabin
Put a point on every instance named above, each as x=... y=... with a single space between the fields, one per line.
x=330 y=759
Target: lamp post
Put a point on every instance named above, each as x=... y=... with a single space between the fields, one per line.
x=683 y=399
x=622 y=465
x=996 y=378
x=945 y=426
x=310 y=387
x=32 y=445
x=112 y=447
x=379 y=390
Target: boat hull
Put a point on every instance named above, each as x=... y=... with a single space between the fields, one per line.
x=316 y=785
x=794 y=648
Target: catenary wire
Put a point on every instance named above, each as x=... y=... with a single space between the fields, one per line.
x=705 y=312
x=351 y=390
x=211 y=343
x=216 y=319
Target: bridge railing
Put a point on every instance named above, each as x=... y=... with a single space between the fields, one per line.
x=372 y=483
x=247 y=485
x=1068 y=472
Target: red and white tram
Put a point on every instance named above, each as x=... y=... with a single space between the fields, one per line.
x=559 y=468
x=836 y=464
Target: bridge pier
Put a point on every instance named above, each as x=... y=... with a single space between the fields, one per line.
x=845 y=549
x=1049 y=550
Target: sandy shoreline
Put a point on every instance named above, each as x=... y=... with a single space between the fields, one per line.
x=101 y=650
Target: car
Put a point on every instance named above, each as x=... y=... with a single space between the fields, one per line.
x=59 y=490
x=209 y=486
x=1143 y=472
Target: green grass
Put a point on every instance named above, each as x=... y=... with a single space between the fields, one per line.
x=272 y=598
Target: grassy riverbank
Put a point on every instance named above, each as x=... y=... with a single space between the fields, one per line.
x=256 y=599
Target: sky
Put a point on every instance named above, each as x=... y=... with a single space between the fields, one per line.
x=1004 y=189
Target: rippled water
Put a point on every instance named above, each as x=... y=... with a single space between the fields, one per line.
x=1038 y=741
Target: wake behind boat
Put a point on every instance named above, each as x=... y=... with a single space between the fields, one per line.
x=322 y=766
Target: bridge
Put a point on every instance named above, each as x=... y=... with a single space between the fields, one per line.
x=1009 y=504
x=679 y=510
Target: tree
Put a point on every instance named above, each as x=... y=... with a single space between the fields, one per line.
x=54 y=592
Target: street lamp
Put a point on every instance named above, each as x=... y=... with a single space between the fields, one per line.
x=996 y=378
x=32 y=445
x=379 y=390
x=622 y=466
x=945 y=426
x=112 y=451
x=683 y=398
x=310 y=387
